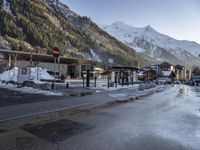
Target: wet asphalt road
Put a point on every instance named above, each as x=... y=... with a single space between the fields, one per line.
x=9 y=98
x=169 y=120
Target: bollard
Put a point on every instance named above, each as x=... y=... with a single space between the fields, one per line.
x=52 y=86
x=67 y=85
x=95 y=81
x=108 y=82
x=132 y=81
x=83 y=81
x=88 y=78
x=115 y=82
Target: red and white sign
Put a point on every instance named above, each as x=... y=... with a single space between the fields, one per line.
x=24 y=71
x=24 y=74
x=56 y=52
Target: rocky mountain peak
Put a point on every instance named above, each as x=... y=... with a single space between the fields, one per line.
x=149 y=28
x=148 y=41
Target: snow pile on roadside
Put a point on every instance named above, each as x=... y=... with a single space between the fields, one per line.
x=40 y=73
x=30 y=90
x=37 y=73
x=9 y=75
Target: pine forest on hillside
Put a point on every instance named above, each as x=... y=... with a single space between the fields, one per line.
x=42 y=23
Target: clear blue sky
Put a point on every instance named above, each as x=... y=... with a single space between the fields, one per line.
x=177 y=18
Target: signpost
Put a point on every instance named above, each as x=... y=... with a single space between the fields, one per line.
x=56 y=54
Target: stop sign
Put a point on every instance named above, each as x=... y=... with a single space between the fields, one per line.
x=56 y=52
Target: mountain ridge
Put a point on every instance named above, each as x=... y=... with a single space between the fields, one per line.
x=148 y=41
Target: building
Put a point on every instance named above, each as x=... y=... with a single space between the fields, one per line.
x=165 y=72
x=165 y=66
x=182 y=73
x=68 y=66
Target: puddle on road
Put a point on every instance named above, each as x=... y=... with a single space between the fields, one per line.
x=80 y=94
x=183 y=92
x=58 y=131
x=98 y=91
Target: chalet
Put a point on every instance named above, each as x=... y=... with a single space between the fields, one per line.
x=165 y=66
x=182 y=74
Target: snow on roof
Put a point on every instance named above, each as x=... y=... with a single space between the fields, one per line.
x=30 y=90
x=98 y=69
x=167 y=73
x=141 y=73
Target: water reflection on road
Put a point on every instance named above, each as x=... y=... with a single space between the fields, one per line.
x=167 y=120
x=183 y=91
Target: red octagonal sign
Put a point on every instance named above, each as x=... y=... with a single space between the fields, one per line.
x=56 y=52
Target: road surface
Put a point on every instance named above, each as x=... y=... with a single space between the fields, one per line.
x=168 y=120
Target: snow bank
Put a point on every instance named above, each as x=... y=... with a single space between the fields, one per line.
x=10 y=75
x=30 y=90
x=37 y=73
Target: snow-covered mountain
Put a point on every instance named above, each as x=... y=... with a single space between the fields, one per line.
x=154 y=44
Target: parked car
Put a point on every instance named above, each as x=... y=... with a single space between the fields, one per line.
x=167 y=83
x=177 y=82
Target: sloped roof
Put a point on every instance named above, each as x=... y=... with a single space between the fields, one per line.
x=165 y=64
x=179 y=67
x=141 y=73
